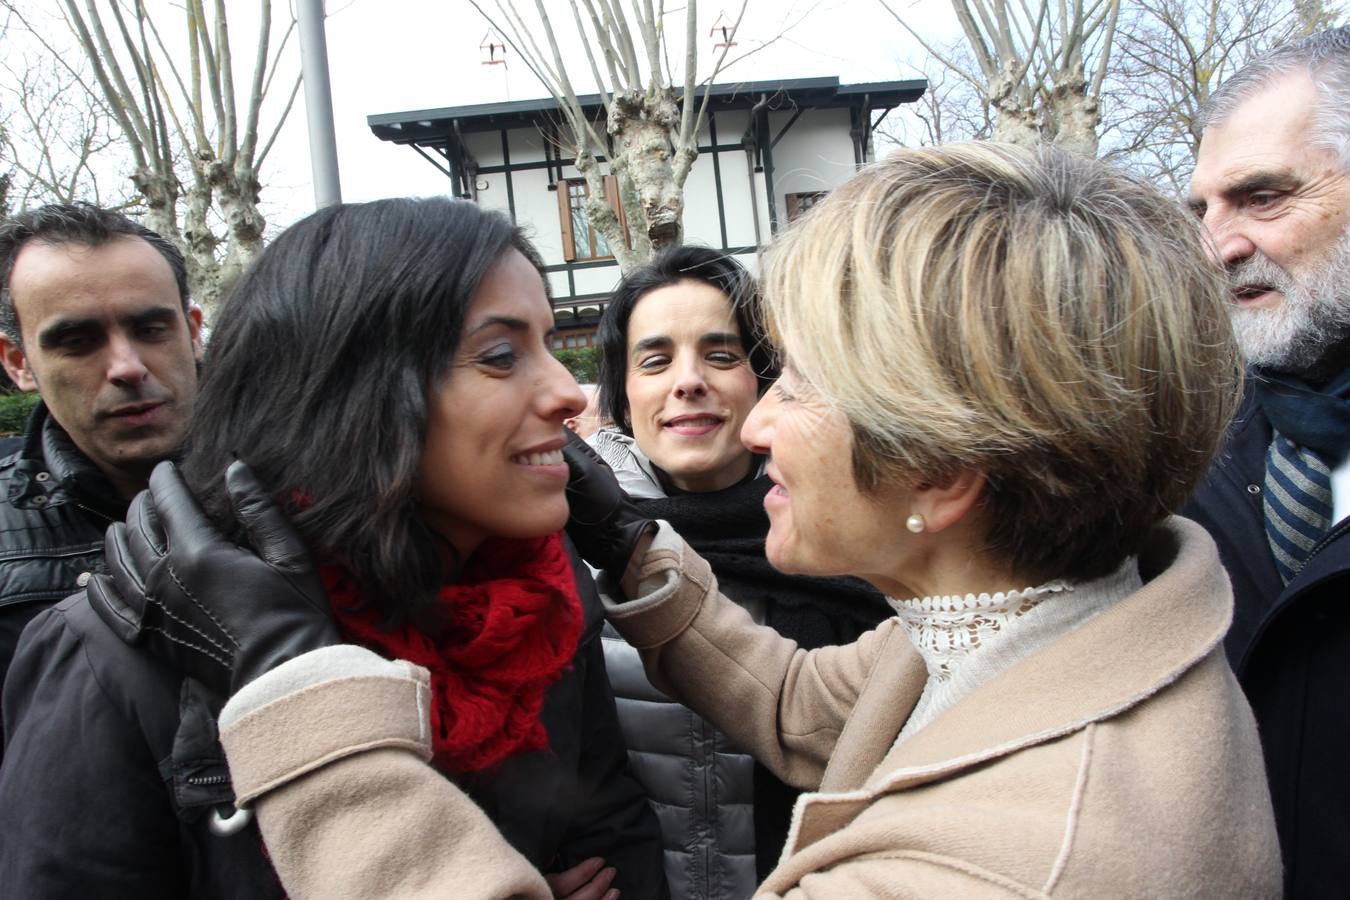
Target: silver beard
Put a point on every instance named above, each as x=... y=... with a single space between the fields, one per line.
x=1312 y=318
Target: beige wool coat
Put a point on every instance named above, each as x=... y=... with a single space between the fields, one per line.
x=1120 y=761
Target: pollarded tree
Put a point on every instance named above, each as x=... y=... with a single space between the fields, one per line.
x=651 y=114
x=1039 y=67
x=195 y=132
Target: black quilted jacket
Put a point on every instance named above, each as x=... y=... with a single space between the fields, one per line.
x=54 y=508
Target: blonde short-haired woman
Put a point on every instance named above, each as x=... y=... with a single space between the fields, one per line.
x=1003 y=369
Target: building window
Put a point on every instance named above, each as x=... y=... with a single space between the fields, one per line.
x=574 y=341
x=800 y=202
x=581 y=241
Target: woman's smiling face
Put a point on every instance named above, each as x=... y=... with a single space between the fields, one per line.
x=689 y=385
x=820 y=522
x=492 y=462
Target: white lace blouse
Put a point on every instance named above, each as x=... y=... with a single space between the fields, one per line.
x=967 y=641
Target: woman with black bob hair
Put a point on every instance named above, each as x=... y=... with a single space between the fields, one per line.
x=668 y=268
x=683 y=360
x=384 y=371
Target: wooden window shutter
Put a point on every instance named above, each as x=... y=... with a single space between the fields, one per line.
x=615 y=201
x=569 y=244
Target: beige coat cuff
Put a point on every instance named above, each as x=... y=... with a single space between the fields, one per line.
x=309 y=700
x=663 y=606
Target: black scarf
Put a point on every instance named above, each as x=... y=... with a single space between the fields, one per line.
x=1311 y=415
x=727 y=528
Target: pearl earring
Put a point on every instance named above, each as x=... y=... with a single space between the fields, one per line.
x=915 y=523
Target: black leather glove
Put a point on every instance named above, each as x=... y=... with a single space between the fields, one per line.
x=604 y=523
x=219 y=613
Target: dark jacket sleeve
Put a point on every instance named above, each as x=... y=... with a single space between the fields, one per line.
x=84 y=808
x=612 y=817
x=111 y=775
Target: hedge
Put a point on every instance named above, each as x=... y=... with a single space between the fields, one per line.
x=582 y=362
x=14 y=410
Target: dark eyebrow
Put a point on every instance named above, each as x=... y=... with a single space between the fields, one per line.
x=55 y=333
x=507 y=321
x=1263 y=181
x=720 y=337
x=651 y=343
x=661 y=341
x=153 y=314
x=58 y=331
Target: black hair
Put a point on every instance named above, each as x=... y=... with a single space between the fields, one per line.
x=319 y=375
x=74 y=223
x=671 y=265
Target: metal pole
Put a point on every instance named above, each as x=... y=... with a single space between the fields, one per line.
x=318 y=103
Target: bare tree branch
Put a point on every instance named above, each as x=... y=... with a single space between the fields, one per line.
x=193 y=147
x=938 y=55
x=1031 y=65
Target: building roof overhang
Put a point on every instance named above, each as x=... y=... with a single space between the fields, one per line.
x=433 y=128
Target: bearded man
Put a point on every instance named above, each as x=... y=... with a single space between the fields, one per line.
x=1272 y=186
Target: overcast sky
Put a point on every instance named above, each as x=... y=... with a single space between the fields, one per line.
x=397 y=55
x=401 y=55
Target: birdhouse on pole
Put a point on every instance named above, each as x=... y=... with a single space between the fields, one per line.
x=494 y=49
x=724 y=32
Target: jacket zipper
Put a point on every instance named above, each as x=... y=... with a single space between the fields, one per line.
x=206 y=780
x=708 y=760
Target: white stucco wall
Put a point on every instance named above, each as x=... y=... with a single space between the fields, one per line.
x=815 y=154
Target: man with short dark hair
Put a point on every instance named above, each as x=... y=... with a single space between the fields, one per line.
x=100 y=324
x=95 y=317
x=1272 y=186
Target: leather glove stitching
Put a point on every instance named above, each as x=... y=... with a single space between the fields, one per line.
x=202 y=650
x=197 y=603
x=169 y=614
x=244 y=613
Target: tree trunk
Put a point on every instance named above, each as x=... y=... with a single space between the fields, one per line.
x=199 y=245
x=641 y=125
x=1073 y=116
x=1015 y=114
x=237 y=195
x=161 y=202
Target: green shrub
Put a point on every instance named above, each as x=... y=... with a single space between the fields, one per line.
x=14 y=410
x=583 y=363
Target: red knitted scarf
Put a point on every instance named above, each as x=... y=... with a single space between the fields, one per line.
x=512 y=625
